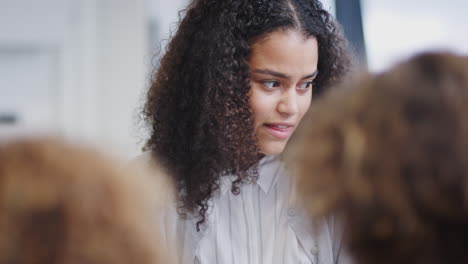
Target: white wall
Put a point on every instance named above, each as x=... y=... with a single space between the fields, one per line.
x=74 y=67
x=121 y=54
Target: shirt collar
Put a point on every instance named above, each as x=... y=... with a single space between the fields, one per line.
x=268 y=170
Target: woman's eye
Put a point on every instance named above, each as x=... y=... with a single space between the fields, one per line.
x=271 y=84
x=306 y=85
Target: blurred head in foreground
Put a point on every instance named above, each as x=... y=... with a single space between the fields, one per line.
x=388 y=156
x=63 y=204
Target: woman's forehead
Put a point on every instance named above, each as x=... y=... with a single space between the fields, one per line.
x=287 y=52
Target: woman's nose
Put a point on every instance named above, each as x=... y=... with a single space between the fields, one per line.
x=288 y=102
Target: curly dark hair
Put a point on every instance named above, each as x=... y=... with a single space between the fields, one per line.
x=389 y=157
x=197 y=107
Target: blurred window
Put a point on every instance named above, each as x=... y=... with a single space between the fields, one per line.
x=397 y=29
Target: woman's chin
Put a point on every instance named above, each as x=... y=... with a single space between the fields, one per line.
x=272 y=148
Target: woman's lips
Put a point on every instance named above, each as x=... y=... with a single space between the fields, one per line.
x=280 y=130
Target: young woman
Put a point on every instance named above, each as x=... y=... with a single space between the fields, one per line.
x=387 y=156
x=233 y=85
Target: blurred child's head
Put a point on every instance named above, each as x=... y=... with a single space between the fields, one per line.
x=60 y=203
x=388 y=156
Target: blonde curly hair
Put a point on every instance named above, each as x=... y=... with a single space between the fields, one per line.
x=60 y=203
x=387 y=155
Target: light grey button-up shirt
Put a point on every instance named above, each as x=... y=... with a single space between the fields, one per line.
x=261 y=225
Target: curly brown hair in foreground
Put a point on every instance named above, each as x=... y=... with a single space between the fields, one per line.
x=388 y=156
x=64 y=204
x=197 y=107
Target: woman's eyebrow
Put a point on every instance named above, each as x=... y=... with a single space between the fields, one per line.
x=313 y=75
x=273 y=73
x=282 y=75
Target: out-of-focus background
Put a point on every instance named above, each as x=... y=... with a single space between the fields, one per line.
x=79 y=68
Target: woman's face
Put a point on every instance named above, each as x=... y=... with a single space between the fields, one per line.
x=282 y=68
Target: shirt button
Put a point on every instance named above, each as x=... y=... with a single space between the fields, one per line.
x=314 y=251
x=292 y=212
